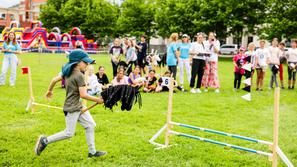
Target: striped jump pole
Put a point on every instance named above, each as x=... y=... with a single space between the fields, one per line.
x=222 y=144
x=223 y=133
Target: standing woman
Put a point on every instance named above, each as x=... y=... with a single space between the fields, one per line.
x=273 y=61
x=210 y=77
x=197 y=51
x=261 y=64
x=172 y=54
x=292 y=64
x=131 y=55
x=115 y=52
x=10 y=48
x=184 y=59
x=251 y=53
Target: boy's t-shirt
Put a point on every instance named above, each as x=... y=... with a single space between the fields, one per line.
x=73 y=82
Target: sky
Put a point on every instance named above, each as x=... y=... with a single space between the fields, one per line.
x=8 y=3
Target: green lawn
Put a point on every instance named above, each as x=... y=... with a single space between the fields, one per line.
x=125 y=135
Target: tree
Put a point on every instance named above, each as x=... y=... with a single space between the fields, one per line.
x=136 y=18
x=101 y=18
x=281 y=21
x=51 y=15
x=91 y=16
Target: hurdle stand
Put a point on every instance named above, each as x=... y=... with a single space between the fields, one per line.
x=272 y=156
x=31 y=103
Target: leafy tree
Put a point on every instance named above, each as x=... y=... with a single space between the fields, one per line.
x=136 y=17
x=281 y=21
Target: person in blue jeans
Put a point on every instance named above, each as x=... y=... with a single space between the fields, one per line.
x=172 y=54
x=10 y=48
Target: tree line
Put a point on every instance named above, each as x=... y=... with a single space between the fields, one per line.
x=266 y=18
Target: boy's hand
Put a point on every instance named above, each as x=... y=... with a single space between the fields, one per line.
x=49 y=94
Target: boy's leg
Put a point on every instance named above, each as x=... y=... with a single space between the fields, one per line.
x=71 y=120
x=89 y=124
x=5 y=65
x=42 y=142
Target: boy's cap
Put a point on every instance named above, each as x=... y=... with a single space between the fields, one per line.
x=80 y=55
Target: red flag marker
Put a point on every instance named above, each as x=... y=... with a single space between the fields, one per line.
x=25 y=70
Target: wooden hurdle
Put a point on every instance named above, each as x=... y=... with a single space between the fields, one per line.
x=276 y=151
x=31 y=103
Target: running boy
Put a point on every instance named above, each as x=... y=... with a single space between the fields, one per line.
x=76 y=88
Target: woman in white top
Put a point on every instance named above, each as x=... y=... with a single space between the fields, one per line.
x=252 y=53
x=273 y=61
x=292 y=64
x=261 y=64
x=197 y=51
x=210 y=77
x=131 y=55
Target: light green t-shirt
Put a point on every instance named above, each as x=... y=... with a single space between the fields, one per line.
x=72 y=83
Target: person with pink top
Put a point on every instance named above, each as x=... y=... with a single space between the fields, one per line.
x=238 y=61
x=120 y=78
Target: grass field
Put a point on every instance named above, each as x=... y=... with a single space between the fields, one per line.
x=125 y=135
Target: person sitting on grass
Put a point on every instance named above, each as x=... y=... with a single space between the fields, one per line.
x=102 y=78
x=75 y=90
x=164 y=83
x=134 y=78
x=150 y=83
x=94 y=87
x=120 y=78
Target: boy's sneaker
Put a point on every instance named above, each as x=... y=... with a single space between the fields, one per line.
x=40 y=145
x=97 y=154
x=193 y=90
x=217 y=91
x=198 y=90
x=205 y=90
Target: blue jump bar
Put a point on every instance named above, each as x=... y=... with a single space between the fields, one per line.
x=222 y=144
x=222 y=133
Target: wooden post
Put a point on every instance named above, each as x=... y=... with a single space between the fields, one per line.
x=31 y=90
x=169 y=112
x=275 y=126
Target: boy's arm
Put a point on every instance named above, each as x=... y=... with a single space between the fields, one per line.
x=49 y=92
x=83 y=94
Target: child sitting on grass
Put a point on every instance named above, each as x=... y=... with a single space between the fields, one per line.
x=150 y=82
x=164 y=83
x=94 y=87
x=134 y=78
x=120 y=78
x=75 y=89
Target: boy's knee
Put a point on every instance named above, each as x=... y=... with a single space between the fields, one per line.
x=69 y=133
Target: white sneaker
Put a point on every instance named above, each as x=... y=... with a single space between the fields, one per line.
x=206 y=90
x=217 y=91
x=198 y=90
x=193 y=90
